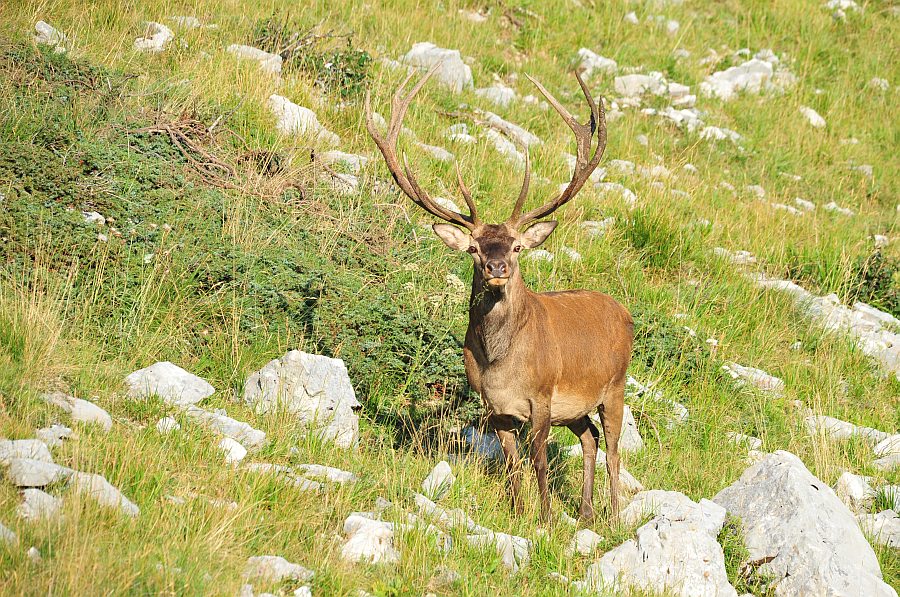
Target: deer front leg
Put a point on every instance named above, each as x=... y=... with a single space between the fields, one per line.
x=506 y=428
x=540 y=430
x=589 y=435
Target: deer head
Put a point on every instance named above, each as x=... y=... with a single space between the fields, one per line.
x=495 y=248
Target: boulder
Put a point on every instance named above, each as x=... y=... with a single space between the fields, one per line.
x=855 y=491
x=170 y=382
x=369 y=540
x=246 y=434
x=292 y=119
x=452 y=73
x=156 y=37
x=840 y=430
x=316 y=389
x=439 y=480
x=275 y=569
x=233 y=450
x=48 y=36
x=675 y=553
x=888 y=463
x=7 y=536
x=584 y=542
x=514 y=551
x=53 y=435
x=802 y=535
x=884 y=527
x=887 y=446
x=80 y=410
x=27 y=472
x=37 y=505
x=33 y=449
x=329 y=473
x=269 y=63
x=103 y=492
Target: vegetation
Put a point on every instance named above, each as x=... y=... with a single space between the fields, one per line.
x=226 y=244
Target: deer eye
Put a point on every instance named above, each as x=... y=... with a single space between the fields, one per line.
x=517 y=248
x=472 y=249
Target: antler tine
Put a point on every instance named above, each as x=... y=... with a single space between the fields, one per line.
x=523 y=194
x=584 y=134
x=467 y=195
x=388 y=147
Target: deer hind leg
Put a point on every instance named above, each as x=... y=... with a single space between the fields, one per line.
x=540 y=430
x=506 y=428
x=590 y=438
x=611 y=412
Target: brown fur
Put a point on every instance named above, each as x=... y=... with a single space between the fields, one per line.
x=549 y=359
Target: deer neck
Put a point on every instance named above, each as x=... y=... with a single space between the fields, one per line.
x=497 y=315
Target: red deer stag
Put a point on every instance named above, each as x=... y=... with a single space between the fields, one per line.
x=550 y=358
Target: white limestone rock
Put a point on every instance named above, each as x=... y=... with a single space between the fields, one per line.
x=351 y=161
x=38 y=505
x=167 y=425
x=855 y=491
x=754 y=377
x=48 y=36
x=103 y=492
x=369 y=540
x=292 y=119
x=635 y=85
x=439 y=481
x=81 y=411
x=498 y=94
x=316 y=389
x=630 y=440
x=888 y=463
x=834 y=207
x=736 y=257
x=27 y=472
x=7 y=536
x=268 y=63
x=606 y=189
x=329 y=473
x=675 y=553
x=285 y=474
x=514 y=551
x=584 y=542
x=247 y=435
x=34 y=449
x=438 y=153
x=539 y=255
x=274 y=569
x=891 y=495
x=841 y=430
x=54 y=435
x=186 y=22
x=807 y=539
x=483 y=444
x=506 y=148
x=714 y=133
x=884 y=527
x=233 y=450
x=887 y=446
x=453 y=73
x=752 y=443
x=812 y=117
x=753 y=76
x=155 y=39
x=170 y=382
x=515 y=132
x=591 y=63
x=597 y=227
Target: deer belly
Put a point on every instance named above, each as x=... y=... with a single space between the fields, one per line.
x=565 y=409
x=507 y=404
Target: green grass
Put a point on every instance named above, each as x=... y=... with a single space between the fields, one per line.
x=248 y=266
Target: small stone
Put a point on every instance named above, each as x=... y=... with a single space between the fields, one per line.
x=499 y=95
x=275 y=569
x=584 y=542
x=156 y=37
x=103 y=492
x=438 y=153
x=591 y=63
x=49 y=36
x=888 y=446
x=335 y=475
x=539 y=255
x=27 y=472
x=855 y=491
x=452 y=73
x=834 y=207
x=753 y=443
x=888 y=463
x=93 y=217
x=813 y=117
x=755 y=377
x=884 y=527
x=34 y=555
x=438 y=482
x=7 y=536
x=80 y=410
x=369 y=540
x=167 y=425
x=293 y=119
x=170 y=382
x=34 y=449
x=268 y=63
x=38 y=505
x=234 y=451
x=53 y=435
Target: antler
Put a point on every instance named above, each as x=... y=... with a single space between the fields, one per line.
x=404 y=178
x=584 y=135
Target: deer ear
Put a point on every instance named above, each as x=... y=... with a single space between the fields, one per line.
x=537 y=233
x=452 y=236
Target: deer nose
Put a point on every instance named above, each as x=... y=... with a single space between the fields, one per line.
x=496 y=268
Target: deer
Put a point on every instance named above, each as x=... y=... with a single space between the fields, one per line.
x=549 y=358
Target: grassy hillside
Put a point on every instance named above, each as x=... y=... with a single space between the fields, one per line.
x=226 y=245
